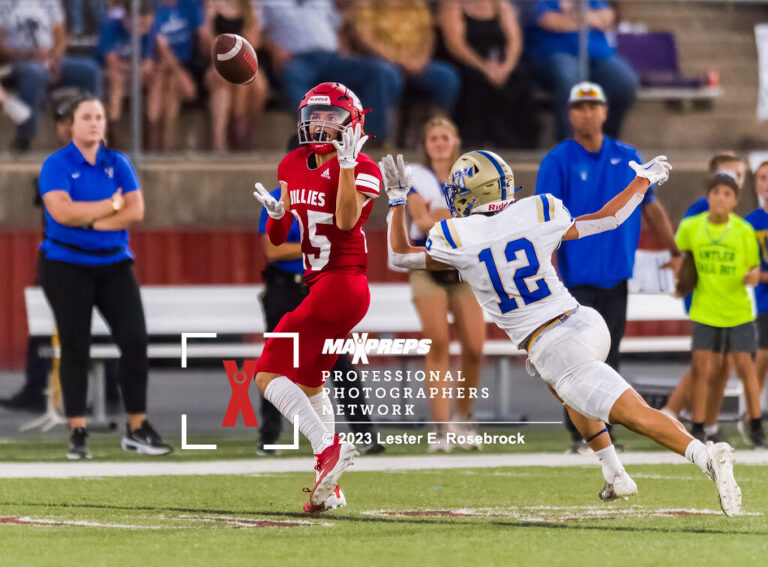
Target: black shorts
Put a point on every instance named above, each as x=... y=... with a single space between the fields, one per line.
x=741 y=338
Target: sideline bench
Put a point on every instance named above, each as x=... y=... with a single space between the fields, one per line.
x=235 y=310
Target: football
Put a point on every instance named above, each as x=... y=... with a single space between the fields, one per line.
x=234 y=58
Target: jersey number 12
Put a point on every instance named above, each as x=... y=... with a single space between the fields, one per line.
x=507 y=303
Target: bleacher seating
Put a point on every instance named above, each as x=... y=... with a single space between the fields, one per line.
x=654 y=57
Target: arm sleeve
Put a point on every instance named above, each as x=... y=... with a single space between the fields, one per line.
x=441 y=247
x=125 y=175
x=53 y=177
x=682 y=238
x=549 y=179
x=368 y=178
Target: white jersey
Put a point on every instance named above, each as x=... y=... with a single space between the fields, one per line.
x=507 y=260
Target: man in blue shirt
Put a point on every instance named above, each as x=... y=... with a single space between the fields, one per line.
x=554 y=49
x=284 y=289
x=584 y=173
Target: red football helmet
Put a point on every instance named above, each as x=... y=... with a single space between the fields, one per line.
x=325 y=108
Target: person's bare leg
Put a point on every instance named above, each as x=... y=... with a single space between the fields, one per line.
x=718 y=380
x=747 y=373
x=632 y=411
x=433 y=312
x=762 y=367
x=115 y=79
x=680 y=398
x=701 y=367
x=470 y=326
x=219 y=104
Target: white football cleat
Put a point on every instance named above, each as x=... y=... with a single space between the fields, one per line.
x=331 y=463
x=622 y=487
x=335 y=500
x=720 y=470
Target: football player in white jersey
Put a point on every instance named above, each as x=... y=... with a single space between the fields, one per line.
x=502 y=248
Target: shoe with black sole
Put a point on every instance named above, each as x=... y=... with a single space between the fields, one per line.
x=757 y=435
x=372 y=449
x=145 y=441
x=24 y=400
x=78 y=450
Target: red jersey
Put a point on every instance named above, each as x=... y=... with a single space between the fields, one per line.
x=324 y=246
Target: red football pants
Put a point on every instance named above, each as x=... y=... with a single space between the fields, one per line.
x=337 y=301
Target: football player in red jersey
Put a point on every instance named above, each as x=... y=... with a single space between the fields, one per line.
x=329 y=186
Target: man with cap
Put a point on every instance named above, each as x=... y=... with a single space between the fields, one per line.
x=584 y=172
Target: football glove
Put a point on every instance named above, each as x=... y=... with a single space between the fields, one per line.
x=655 y=171
x=275 y=208
x=350 y=146
x=397 y=177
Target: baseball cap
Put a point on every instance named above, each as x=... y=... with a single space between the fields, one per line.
x=587 y=92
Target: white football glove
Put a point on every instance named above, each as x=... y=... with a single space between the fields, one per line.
x=655 y=171
x=350 y=146
x=397 y=177
x=275 y=208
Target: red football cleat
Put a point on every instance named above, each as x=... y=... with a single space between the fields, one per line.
x=331 y=463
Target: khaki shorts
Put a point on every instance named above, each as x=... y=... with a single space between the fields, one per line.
x=423 y=284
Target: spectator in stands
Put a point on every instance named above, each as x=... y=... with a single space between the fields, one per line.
x=724 y=250
x=79 y=12
x=91 y=196
x=115 y=53
x=759 y=221
x=301 y=37
x=284 y=290
x=402 y=32
x=234 y=108
x=554 y=46
x=728 y=163
x=34 y=39
x=436 y=294
x=584 y=172
x=484 y=39
x=178 y=23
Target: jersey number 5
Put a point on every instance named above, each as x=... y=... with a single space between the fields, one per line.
x=511 y=251
x=317 y=262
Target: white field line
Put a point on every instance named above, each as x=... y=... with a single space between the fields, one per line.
x=270 y=465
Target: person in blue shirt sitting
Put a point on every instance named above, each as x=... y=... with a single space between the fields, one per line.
x=115 y=53
x=91 y=195
x=178 y=24
x=554 y=48
x=583 y=173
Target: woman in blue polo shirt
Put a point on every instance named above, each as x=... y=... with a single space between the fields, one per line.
x=91 y=196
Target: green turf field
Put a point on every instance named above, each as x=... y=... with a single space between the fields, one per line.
x=499 y=516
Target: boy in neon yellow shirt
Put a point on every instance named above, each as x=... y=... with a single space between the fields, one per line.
x=724 y=249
